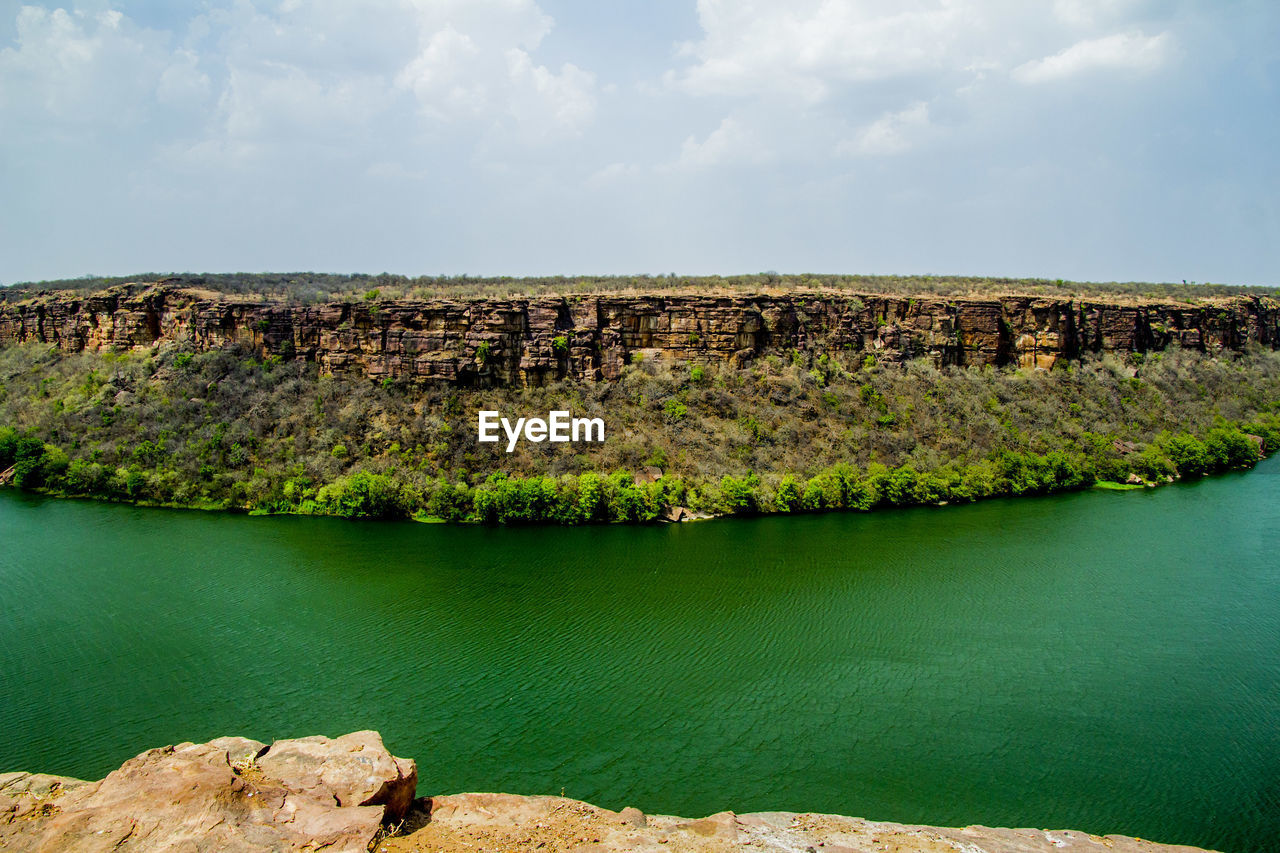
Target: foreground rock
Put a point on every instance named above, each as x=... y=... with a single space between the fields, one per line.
x=231 y=794
x=343 y=795
x=505 y=822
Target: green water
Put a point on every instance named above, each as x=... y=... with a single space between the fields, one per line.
x=1102 y=661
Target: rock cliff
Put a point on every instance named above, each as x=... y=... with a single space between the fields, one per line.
x=531 y=341
x=350 y=794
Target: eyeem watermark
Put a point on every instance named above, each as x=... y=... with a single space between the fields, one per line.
x=558 y=427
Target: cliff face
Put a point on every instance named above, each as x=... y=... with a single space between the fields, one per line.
x=530 y=341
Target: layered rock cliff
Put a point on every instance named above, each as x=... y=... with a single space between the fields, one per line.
x=531 y=341
x=349 y=795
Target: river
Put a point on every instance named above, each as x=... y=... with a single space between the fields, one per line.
x=1100 y=661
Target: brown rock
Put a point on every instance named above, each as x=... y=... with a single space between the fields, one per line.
x=532 y=341
x=632 y=816
x=675 y=514
x=353 y=770
x=214 y=796
x=649 y=474
x=722 y=825
x=469 y=822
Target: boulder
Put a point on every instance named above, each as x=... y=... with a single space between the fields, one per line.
x=354 y=770
x=650 y=474
x=233 y=794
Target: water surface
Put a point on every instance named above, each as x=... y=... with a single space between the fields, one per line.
x=1103 y=661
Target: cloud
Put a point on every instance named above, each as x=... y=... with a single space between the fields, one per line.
x=460 y=62
x=812 y=51
x=1084 y=13
x=474 y=61
x=803 y=48
x=892 y=133
x=182 y=82
x=484 y=135
x=613 y=174
x=266 y=76
x=1122 y=51
x=732 y=143
x=75 y=68
x=549 y=104
x=437 y=76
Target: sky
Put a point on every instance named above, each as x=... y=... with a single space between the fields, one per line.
x=1093 y=140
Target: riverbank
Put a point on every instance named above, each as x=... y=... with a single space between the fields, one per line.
x=649 y=498
x=351 y=795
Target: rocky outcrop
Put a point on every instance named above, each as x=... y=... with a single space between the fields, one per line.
x=530 y=341
x=351 y=794
x=231 y=794
x=507 y=822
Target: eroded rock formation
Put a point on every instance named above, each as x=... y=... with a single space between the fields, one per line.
x=530 y=341
x=231 y=794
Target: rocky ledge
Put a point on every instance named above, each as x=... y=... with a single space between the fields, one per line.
x=531 y=341
x=351 y=794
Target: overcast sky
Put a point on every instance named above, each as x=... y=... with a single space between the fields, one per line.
x=1085 y=139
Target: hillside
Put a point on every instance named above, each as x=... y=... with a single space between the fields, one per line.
x=728 y=402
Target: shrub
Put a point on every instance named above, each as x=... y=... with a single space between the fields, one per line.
x=789 y=497
x=364 y=495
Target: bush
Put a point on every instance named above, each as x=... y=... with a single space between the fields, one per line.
x=738 y=496
x=789 y=497
x=364 y=495
x=1228 y=447
x=1188 y=454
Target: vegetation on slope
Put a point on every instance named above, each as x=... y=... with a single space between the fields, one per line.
x=221 y=429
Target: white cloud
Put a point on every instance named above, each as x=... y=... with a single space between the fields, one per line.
x=1122 y=51
x=80 y=68
x=813 y=50
x=1084 y=13
x=549 y=104
x=271 y=103
x=613 y=174
x=266 y=76
x=437 y=76
x=182 y=82
x=892 y=133
x=731 y=144
x=802 y=48
x=460 y=61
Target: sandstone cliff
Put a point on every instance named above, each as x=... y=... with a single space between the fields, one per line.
x=530 y=341
x=350 y=794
